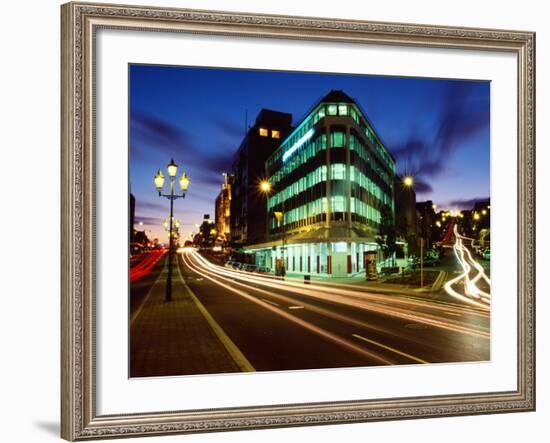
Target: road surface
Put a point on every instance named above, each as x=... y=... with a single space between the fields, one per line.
x=285 y=325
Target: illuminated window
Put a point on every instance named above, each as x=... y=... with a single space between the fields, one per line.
x=274 y=134
x=342 y=109
x=337 y=139
x=338 y=171
x=332 y=109
x=264 y=132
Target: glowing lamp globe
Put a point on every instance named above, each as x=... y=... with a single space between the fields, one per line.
x=159 y=180
x=184 y=182
x=172 y=168
x=408 y=181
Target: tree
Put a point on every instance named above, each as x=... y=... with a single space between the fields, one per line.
x=387 y=234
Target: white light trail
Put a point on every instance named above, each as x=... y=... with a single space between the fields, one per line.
x=266 y=304
x=472 y=293
x=395 y=307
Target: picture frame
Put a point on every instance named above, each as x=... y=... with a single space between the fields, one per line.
x=80 y=23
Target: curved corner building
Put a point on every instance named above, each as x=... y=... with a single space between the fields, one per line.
x=332 y=179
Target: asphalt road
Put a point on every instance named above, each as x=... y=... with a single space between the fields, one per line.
x=282 y=325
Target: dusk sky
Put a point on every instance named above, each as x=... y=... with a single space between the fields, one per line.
x=438 y=130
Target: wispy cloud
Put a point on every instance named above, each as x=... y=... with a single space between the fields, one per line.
x=426 y=154
x=228 y=127
x=153 y=138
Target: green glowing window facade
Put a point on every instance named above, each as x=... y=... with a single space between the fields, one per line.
x=332 y=110
x=361 y=208
x=338 y=171
x=337 y=139
x=303 y=212
x=306 y=182
x=366 y=183
x=374 y=155
x=338 y=203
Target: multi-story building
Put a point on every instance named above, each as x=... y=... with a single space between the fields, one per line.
x=405 y=214
x=331 y=177
x=223 y=209
x=248 y=217
x=426 y=218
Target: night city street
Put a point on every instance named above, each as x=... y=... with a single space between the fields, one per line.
x=277 y=231
x=286 y=325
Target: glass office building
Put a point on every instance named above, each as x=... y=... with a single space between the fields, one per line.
x=332 y=178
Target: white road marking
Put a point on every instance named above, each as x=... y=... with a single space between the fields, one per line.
x=412 y=357
x=270 y=302
x=238 y=357
x=295 y=307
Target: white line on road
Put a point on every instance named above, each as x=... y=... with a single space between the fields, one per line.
x=238 y=357
x=412 y=357
x=295 y=307
x=270 y=302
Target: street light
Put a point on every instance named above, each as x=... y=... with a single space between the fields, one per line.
x=408 y=181
x=266 y=187
x=172 y=169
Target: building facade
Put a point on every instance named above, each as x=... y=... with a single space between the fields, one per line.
x=223 y=210
x=332 y=178
x=426 y=219
x=248 y=219
x=405 y=214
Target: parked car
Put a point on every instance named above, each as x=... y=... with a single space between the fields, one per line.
x=249 y=268
x=263 y=270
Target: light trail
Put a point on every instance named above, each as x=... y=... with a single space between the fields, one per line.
x=473 y=295
x=342 y=289
x=301 y=322
x=145 y=266
x=304 y=305
x=358 y=299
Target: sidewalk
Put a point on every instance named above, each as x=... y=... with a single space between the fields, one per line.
x=179 y=337
x=378 y=286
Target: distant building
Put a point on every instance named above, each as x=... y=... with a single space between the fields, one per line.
x=405 y=213
x=483 y=218
x=248 y=206
x=426 y=218
x=477 y=221
x=223 y=209
x=206 y=237
x=332 y=180
x=132 y=216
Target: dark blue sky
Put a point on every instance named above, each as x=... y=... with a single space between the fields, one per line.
x=438 y=130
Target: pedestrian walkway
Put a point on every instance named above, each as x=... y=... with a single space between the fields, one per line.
x=179 y=337
x=378 y=286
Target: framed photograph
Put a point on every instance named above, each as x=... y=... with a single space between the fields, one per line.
x=277 y=221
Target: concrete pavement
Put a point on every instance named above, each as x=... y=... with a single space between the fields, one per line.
x=179 y=337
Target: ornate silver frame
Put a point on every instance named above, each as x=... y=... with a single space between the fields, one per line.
x=79 y=420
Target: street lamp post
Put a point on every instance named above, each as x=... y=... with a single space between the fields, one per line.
x=172 y=169
x=266 y=188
